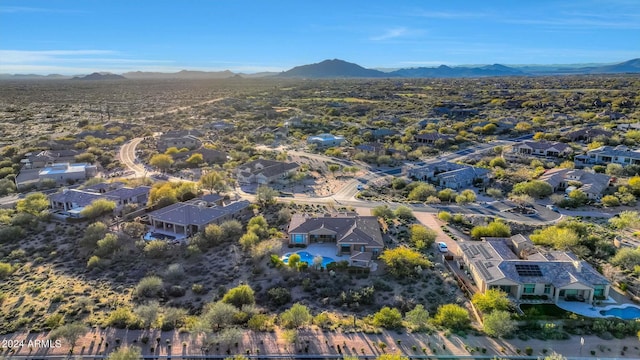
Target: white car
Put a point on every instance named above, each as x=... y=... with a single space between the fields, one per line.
x=443 y=247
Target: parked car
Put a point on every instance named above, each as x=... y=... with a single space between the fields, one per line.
x=443 y=247
x=360 y=187
x=552 y=208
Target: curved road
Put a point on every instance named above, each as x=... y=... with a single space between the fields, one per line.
x=127 y=155
x=345 y=196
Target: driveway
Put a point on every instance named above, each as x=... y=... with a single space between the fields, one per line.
x=432 y=222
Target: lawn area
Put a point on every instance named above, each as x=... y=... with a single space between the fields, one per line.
x=544 y=312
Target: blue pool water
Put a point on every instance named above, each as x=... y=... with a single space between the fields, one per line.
x=157 y=236
x=627 y=313
x=308 y=258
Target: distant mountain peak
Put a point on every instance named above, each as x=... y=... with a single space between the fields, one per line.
x=100 y=76
x=332 y=68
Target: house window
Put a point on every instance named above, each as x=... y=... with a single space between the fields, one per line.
x=598 y=290
x=298 y=238
x=547 y=289
x=529 y=289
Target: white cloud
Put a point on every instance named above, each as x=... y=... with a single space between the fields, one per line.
x=395 y=33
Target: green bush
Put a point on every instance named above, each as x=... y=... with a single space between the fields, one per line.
x=388 y=318
x=5 y=270
x=149 y=286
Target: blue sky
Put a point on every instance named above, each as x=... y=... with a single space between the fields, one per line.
x=74 y=37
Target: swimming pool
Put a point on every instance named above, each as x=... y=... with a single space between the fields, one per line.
x=308 y=258
x=157 y=236
x=628 y=312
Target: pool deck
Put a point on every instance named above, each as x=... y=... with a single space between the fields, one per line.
x=326 y=250
x=179 y=237
x=585 y=309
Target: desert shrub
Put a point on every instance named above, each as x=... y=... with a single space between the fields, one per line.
x=388 y=318
x=5 y=270
x=149 y=286
x=279 y=296
x=156 y=249
x=121 y=318
x=174 y=273
x=239 y=295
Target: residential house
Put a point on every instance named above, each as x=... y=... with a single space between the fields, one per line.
x=264 y=171
x=424 y=122
x=593 y=185
x=71 y=202
x=219 y=126
x=185 y=219
x=459 y=113
x=609 y=155
x=180 y=139
x=49 y=157
x=431 y=138
x=514 y=266
x=587 y=134
x=449 y=175
x=371 y=148
x=611 y=115
x=354 y=235
x=381 y=133
x=627 y=126
x=325 y=140
x=67 y=172
x=542 y=148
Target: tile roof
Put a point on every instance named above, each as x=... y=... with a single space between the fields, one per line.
x=349 y=229
x=266 y=167
x=192 y=213
x=78 y=197
x=494 y=260
x=592 y=183
x=544 y=145
x=619 y=151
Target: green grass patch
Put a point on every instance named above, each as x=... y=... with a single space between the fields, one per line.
x=544 y=311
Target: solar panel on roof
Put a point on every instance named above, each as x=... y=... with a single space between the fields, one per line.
x=485 y=252
x=483 y=270
x=528 y=270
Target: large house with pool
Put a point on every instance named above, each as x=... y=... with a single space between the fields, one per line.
x=359 y=237
x=515 y=266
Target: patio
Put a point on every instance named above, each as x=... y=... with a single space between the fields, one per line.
x=154 y=230
x=586 y=309
x=328 y=250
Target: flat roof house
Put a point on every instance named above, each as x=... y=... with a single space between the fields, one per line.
x=354 y=235
x=431 y=138
x=187 y=218
x=50 y=157
x=609 y=155
x=325 y=140
x=71 y=202
x=494 y=263
x=67 y=172
x=264 y=171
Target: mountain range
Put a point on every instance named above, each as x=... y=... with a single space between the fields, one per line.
x=342 y=69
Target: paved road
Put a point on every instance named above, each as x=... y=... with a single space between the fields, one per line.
x=127 y=156
x=345 y=196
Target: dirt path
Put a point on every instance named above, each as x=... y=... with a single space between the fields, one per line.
x=314 y=341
